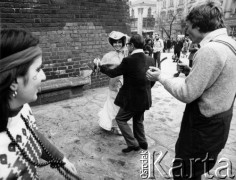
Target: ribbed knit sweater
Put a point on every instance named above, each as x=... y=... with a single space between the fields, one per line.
x=212 y=79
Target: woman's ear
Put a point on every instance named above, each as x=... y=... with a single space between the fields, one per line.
x=14 y=85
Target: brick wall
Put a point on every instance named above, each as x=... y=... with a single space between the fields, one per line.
x=71 y=32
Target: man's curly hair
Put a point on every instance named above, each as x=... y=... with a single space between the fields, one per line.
x=208 y=16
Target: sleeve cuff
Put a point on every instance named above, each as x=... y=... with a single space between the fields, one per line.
x=162 y=78
x=50 y=147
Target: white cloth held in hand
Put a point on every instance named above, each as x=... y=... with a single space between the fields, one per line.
x=96 y=61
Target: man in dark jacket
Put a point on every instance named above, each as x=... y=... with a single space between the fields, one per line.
x=168 y=45
x=148 y=49
x=177 y=49
x=134 y=97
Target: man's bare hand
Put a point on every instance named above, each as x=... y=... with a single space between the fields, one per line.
x=183 y=68
x=153 y=73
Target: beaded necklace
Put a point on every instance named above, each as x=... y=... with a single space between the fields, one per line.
x=54 y=163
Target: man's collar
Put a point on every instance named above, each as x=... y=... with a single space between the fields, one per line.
x=212 y=35
x=137 y=51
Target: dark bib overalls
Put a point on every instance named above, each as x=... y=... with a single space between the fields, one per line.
x=200 y=141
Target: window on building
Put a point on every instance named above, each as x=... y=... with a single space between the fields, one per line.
x=232 y=31
x=140 y=10
x=149 y=12
x=132 y=13
x=181 y=2
x=234 y=9
x=171 y=3
x=164 y=4
x=179 y=13
x=132 y=24
x=169 y=16
x=221 y=2
x=163 y=16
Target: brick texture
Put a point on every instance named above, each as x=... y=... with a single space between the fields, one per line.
x=71 y=32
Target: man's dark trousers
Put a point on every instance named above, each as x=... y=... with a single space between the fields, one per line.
x=134 y=97
x=157 y=58
x=133 y=139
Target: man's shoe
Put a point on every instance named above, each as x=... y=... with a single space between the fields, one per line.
x=143 y=145
x=116 y=130
x=176 y=74
x=130 y=148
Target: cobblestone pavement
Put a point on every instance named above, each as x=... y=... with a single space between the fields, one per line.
x=72 y=126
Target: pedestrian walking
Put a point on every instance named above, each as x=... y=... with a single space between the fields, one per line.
x=173 y=42
x=134 y=97
x=21 y=144
x=168 y=45
x=192 y=49
x=165 y=45
x=148 y=48
x=177 y=50
x=147 y=38
x=185 y=48
x=208 y=91
x=158 y=47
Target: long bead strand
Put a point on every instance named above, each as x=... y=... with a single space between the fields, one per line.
x=56 y=163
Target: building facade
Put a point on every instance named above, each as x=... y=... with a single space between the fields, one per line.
x=142 y=16
x=170 y=16
x=229 y=7
x=170 y=19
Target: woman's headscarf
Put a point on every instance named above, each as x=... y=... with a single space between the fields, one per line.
x=19 y=58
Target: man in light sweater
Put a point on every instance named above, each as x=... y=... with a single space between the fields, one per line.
x=158 y=46
x=208 y=91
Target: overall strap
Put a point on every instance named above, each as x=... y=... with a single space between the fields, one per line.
x=227 y=44
x=232 y=49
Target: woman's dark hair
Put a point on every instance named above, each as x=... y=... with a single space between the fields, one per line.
x=112 y=41
x=11 y=42
x=208 y=16
x=148 y=40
